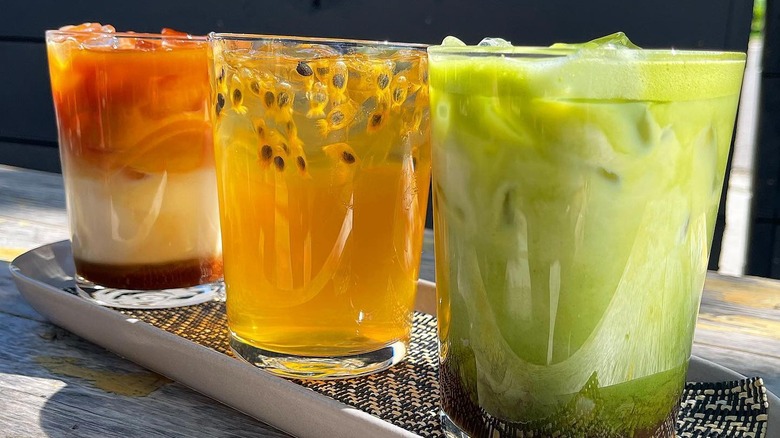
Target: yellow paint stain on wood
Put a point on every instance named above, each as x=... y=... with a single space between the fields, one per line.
x=127 y=384
x=755 y=292
x=740 y=324
x=8 y=254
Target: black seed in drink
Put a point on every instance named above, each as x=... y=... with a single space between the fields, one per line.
x=347 y=157
x=220 y=102
x=414 y=164
x=301 y=163
x=269 y=98
x=255 y=87
x=398 y=94
x=266 y=152
x=237 y=97
x=376 y=120
x=323 y=70
x=279 y=162
x=339 y=80
x=221 y=77
x=383 y=81
x=286 y=148
x=283 y=99
x=260 y=131
x=290 y=126
x=337 y=117
x=303 y=69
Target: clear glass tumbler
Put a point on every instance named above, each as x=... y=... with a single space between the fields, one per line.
x=323 y=163
x=575 y=193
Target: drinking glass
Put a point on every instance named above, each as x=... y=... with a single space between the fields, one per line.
x=323 y=165
x=137 y=161
x=575 y=193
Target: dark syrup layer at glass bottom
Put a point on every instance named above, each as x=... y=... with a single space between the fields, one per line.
x=170 y=275
x=474 y=421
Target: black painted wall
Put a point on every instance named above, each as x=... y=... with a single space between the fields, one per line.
x=764 y=249
x=27 y=127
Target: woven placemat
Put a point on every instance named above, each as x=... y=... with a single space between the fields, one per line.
x=407 y=395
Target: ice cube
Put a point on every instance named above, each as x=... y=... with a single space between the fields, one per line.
x=101 y=42
x=451 y=41
x=617 y=40
x=494 y=42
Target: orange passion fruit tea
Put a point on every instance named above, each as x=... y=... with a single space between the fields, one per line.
x=323 y=165
x=137 y=159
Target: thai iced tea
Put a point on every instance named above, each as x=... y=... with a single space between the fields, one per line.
x=137 y=156
x=323 y=164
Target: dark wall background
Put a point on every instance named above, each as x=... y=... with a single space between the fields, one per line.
x=28 y=131
x=764 y=249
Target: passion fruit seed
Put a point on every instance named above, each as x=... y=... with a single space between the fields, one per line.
x=286 y=148
x=339 y=80
x=220 y=102
x=237 y=96
x=322 y=71
x=269 y=98
x=398 y=94
x=303 y=69
x=347 y=157
x=301 y=163
x=266 y=152
x=383 y=81
x=279 y=162
x=255 y=87
x=337 y=117
x=221 y=77
x=260 y=131
x=376 y=120
x=283 y=99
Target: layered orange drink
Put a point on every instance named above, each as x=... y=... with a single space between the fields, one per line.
x=323 y=162
x=137 y=158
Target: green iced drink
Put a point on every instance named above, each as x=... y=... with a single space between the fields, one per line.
x=575 y=195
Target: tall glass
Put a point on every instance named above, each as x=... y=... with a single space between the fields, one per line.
x=575 y=194
x=137 y=161
x=323 y=163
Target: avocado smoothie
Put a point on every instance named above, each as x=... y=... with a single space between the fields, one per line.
x=575 y=194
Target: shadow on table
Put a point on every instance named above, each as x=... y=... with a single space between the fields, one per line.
x=73 y=387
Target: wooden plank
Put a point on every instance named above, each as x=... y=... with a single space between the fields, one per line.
x=30 y=155
x=53 y=383
x=771 y=61
x=767 y=164
x=32 y=210
x=29 y=111
x=690 y=24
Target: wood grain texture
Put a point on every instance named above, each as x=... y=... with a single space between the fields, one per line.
x=39 y=398
x=738 y=327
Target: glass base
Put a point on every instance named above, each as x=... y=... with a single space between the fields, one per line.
x=151 y=299
x=450 y=429
x=319 y=368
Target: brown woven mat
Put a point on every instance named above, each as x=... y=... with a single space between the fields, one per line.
x=407 y=395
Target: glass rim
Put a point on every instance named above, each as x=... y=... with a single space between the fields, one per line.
x=648 y=55
x=141 y=35
x=231 y=36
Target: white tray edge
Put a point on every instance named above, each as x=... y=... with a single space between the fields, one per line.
x=235 y=383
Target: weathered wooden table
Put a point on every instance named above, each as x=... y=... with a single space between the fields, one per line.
x=53 y=383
